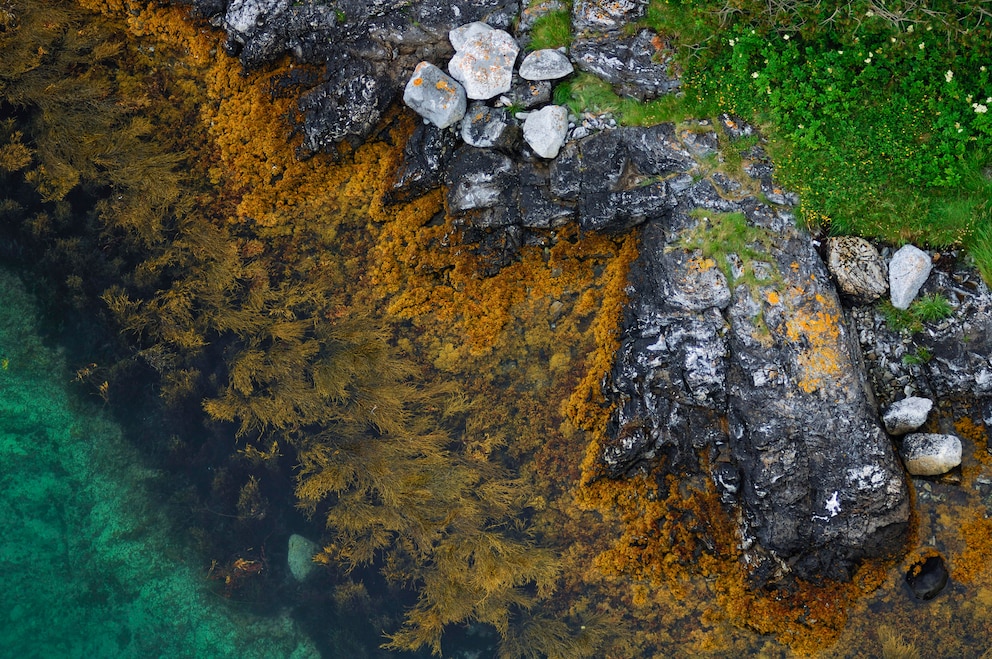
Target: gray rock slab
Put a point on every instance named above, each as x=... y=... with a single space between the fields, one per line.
x=545 y=130
x=483 y=63
x=906 y=415
x=930 y=454
x=546 y=64
x=858 y=268
x=908 y=270
x=435 y=96
x=764 y=382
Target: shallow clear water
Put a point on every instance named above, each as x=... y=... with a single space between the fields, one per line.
x=88 y=567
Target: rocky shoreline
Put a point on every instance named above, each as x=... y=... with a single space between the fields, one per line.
x=740 y=362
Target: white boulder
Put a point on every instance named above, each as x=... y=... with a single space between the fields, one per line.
x=908 y=270
x=906 y=415
x=545 y=130
x=483 y=62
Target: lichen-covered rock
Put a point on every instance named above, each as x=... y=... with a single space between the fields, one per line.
x=435 y=96
x=858 y=268
x=906 y=415
x=546 y=64
x=483 y=62
x=638 y=65
x=545 y=130
x=606 y=14
x=908 y=270
x=930 y=454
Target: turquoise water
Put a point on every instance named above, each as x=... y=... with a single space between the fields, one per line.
x=88 y=567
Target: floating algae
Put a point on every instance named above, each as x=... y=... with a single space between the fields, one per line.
x=89 y=567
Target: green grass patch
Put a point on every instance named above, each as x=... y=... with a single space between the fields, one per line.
x=929 y=308
x=588 y=93
x=552 y=30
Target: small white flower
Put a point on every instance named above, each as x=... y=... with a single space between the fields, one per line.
x=948 y=76
x=840 y=52
x=732 y=42
x=989 y=99
x=967 y=99
x=869 y=13
x=868 y=60
x=786 y=37
x=893 y=39
x=910 y=30
x=980 y=108
x=922 y=45
x=830 y=69
x=754 y=74
x=982 y=69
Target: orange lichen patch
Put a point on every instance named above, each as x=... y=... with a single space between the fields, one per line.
x=418 y=82
x=701 y=264
x=974 y=564
x=820 y=362
x=967 y=428
x=772 y=297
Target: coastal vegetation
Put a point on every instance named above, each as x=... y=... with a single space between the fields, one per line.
x=877 y=114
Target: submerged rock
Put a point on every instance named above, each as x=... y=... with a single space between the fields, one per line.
x=927 y=577
x=300 y=556
x=930 y=454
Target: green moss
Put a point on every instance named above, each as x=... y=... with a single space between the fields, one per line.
x=552 y=30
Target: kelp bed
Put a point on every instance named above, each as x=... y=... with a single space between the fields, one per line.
x=351 y=359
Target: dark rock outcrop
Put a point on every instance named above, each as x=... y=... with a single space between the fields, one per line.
x=367 y=50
